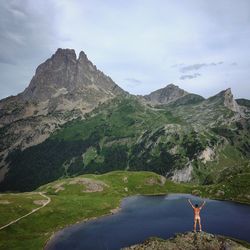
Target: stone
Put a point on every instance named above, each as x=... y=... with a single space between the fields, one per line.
x=189 y=241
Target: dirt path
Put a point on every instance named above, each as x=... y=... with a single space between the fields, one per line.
x=33 y=211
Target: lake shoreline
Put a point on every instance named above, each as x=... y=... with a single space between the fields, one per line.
x=113 y=211
x=119 y=208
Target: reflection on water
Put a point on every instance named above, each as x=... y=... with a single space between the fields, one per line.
x=162 y=216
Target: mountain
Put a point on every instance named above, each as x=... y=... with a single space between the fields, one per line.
x=165 y=95
x=64 y=76
x=63 y=88
x=72 y=119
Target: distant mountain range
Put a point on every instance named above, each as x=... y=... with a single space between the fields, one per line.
x=73 y=119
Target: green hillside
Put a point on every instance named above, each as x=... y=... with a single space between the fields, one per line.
x=127 y=134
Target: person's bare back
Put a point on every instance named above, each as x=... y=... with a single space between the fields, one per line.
x=197 y=210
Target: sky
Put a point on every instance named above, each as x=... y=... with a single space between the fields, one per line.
x=203 y=46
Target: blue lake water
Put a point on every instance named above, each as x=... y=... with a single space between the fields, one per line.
x=142 y=217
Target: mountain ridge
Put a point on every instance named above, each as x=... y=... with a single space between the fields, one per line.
x=66 y=88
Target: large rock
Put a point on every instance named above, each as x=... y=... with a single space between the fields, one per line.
x=182 y=175
x=189 y=241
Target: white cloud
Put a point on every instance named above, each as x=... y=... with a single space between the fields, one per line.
x=185 y=77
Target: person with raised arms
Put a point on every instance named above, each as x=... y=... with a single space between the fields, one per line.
x=197 y=217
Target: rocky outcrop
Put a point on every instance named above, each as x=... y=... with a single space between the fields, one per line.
x=227 y=99
x=165 y=95
x=189 y=241
x=207 y=154
x=90 y=185
x=155 y=181
x=182 y=175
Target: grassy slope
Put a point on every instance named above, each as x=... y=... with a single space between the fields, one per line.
x=236 y=188
x=124 y=131
x=13 y=206
x=72 y=204
x=112 y=132
x=139 y=137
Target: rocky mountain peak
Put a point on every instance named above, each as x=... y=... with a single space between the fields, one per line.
x=82 y=56
x=165 y=95
x=68 y=53
x=171 y=85
x=228 y=99
x=65 y=71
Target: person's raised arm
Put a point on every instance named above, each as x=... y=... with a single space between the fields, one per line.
x=202 y=204
x=190 y=203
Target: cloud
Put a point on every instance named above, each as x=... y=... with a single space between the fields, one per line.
x=198 y=66
x=6 y=60
x=14 y=37
x=234 y=64
x=132 y=80
x=177 y=65
x=184 y=77
x=27 y=37
x=16 y=10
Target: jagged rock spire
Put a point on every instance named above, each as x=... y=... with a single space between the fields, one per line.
x=226 y=96
x=65 y=71
x=229 y=101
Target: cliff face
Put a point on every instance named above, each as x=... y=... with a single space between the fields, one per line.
x=229 y=101
x=189 y=241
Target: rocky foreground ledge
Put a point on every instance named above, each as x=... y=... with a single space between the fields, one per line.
x=190 y=241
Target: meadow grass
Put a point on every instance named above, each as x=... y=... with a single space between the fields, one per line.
x=70 y=203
